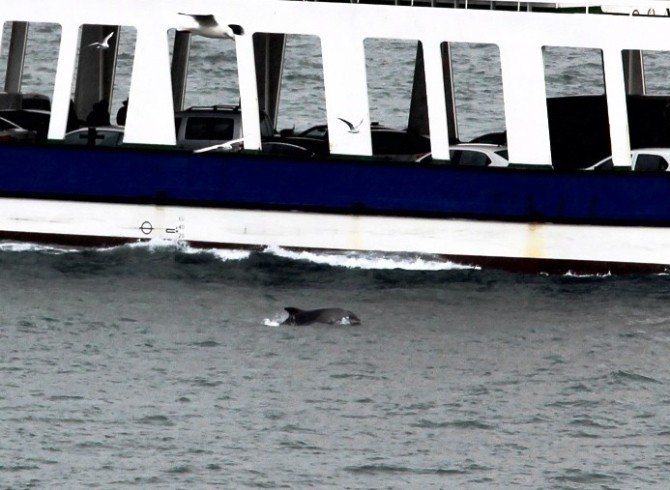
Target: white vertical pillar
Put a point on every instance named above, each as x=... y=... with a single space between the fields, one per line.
x=346 y=90
x=60 y=106
x=246 y=69
x=525 y=103
x=437 y=103
x=150 y=118
x=617 y=110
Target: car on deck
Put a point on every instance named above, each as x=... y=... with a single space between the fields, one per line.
x=206 y=126
x=474 y=155
x=642 y=160
x=96 y=136
x=11 y=132
x=387 y=143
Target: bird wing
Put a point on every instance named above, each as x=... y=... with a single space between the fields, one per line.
x=237 y=29
x=351 y=126
x=109 y=36
x=203 y=20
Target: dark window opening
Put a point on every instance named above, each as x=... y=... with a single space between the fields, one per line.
x=477 y=82
x=28 y=71
x=579 y=129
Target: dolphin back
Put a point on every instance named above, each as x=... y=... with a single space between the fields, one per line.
x=330 y=316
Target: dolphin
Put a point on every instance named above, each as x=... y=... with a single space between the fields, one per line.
x=296 y=316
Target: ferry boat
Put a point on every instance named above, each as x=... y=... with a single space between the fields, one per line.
x=543 y=211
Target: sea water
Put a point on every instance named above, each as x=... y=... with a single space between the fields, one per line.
x=160 y=366
x=166 y=367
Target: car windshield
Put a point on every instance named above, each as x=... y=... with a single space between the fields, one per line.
x=470 y=158
x=605 y=165
x=650 y=163
x=5 y=125
x=209 y=128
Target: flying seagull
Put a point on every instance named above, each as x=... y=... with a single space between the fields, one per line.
x=352 y=129
x=104 y=44
x=207 y=26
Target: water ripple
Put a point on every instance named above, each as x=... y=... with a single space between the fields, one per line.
x=584 y=477
x=157 y=420
x=459 y=424
x=623 y=376
x=373 y=469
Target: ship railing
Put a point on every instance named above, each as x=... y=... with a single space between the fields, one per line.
x=658 y=8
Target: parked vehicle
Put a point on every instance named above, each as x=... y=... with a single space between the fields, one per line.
x=474 y=155
x=388 y=143
x=205 y=126
x=642 y=160
x=13 y=132
x=196 y=128
x=95 y=136
x=34 y=120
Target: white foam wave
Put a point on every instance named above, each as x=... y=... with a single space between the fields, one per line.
x=348 y=260
x=368 y=260
x=34 y=247
x=275 y=321
x=650 y=321
x=154 y=244
x=587 y=276
x=222 y=254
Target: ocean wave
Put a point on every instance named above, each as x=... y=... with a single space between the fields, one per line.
x=22 y=247
x=622 y=376
x=159 y=244
x=368 y=260
x=587 y=276
x=458 y=424
x=344 y=259
x=373 y=469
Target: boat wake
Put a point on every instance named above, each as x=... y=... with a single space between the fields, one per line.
x=341 y=260
x=344 y=260
x=16 y=247
x=369 y=260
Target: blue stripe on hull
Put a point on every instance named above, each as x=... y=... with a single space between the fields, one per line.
x=341 y=186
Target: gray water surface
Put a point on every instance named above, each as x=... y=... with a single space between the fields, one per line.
x=156 y=368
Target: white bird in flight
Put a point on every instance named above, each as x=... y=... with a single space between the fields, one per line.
x=104 y=44
x=207 y=26
x=353 y=129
